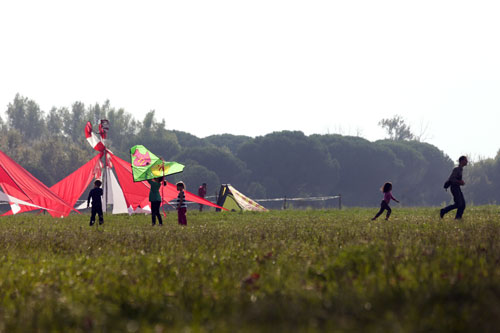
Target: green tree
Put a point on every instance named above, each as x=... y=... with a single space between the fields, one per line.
x=55 y=121
x=122 y=131
x=187 y=140
x=364 y=167
x=396 y=128
x=194 y=175
x=228 y=141
x=290 y=163
x=228 y=168
x=25 y=116
x=74 y=122
x=155 y=137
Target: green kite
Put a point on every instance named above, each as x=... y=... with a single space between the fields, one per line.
x=146 y=165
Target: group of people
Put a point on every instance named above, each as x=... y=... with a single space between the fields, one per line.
x=454 y=182
x=154 y=198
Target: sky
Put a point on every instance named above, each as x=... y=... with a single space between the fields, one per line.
x=254 y=67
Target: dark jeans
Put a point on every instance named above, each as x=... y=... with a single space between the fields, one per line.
x=458 y=204
x=96 y=209
x=181 y=215
x=155 y=212
x=384 y=206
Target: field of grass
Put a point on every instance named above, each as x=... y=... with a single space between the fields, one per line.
x=278 y=271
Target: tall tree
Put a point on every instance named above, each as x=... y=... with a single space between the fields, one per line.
x=396 y=128
x=25 y=116
x=55 y=121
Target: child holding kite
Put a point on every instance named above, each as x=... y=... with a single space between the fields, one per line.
x=384 y=205
x=96 y=194
x=181 y=204
x=155 y=199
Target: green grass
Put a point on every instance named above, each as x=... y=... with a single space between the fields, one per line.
x=283 y=270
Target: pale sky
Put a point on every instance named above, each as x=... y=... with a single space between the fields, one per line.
x=254 y=67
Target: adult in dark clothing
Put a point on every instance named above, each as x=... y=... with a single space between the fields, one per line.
x=202 y=191
x=96 y=195
x=155 y=199
x=455 y=183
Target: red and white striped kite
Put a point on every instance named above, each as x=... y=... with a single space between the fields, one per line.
x=92 y=139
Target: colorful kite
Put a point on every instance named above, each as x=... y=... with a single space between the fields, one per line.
x=146 y=165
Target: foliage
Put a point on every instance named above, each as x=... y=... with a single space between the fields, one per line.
x=51 y=145
x=301 y=271
x=396 y=128
x=228 y=141
x=228 y=168
x=290 y=163
x=195 y=174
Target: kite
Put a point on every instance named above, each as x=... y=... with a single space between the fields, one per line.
x=146 y=165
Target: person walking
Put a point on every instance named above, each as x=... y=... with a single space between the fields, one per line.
x=455 y=181
x=181 y=204
x=155 y=199
x=384 y=205
x=202 y=191
x=96 y=194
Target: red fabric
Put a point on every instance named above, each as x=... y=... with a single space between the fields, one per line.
x=137 y=193
x=92 y=139
x=71 y=188
x=103 y=128
x=19 y=183
x=88 y=130
x=170 y=192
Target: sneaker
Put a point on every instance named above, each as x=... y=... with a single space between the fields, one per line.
x=91 y=223
x=101 y=222
x=441 y=213
x=160 y=225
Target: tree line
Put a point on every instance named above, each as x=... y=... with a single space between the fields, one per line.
x=52 y=144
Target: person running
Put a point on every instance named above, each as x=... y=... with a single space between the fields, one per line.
x=384 y=205
x=181 y=204
x=202 y=191
x=155 y=199
x=96 y=195
x=455 y=181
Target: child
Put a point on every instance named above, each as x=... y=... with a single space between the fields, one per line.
x=181 y=204
x=155 y=199
x=96 y=194
x=387 y=188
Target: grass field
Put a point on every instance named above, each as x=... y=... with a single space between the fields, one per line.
x=278 y=271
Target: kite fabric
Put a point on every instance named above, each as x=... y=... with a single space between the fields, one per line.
x=137 y=193
x=71 y=188
x=15 y=204
x=16 y=182
x=146 y=165
x=92 y=139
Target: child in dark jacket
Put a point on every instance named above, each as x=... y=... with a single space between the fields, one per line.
x=96 y=195
x=384 y=205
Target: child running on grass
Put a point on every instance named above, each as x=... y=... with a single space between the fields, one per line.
x=96 y=194
x=384 y=205
x=181 y=204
